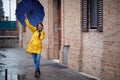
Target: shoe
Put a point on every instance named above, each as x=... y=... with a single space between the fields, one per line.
x=38 y=73
x=35 y=74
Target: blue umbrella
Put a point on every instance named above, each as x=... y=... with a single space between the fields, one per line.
x=33 y=9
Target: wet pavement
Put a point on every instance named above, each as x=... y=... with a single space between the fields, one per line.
x=18 y=62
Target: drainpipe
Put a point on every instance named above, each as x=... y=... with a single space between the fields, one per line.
x=20 y=29
x=20 y=34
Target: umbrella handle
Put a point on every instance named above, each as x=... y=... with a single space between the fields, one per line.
x=26 y=15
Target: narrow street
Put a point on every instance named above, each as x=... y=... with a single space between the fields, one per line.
x=17 y=62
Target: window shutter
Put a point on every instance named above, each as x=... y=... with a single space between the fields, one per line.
x=100 y=16
x=85 y=15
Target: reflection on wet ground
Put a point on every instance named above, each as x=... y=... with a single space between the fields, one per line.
x=18 y=62
x=15 y=60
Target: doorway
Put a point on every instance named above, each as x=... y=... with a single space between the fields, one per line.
x=57 y=27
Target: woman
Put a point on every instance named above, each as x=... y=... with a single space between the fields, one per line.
x=35 y=45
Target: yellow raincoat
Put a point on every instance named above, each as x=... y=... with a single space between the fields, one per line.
x=35 y=44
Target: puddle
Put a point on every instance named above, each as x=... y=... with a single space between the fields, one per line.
x=2 y=56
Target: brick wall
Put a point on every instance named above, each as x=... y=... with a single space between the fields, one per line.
x=9 y=42
x=92 y=53
x=26 y=37
x=71 y=32
x=111 y=55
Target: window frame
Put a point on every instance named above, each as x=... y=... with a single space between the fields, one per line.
x=86 y=19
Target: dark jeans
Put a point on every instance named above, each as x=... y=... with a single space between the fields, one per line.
x=36 y=59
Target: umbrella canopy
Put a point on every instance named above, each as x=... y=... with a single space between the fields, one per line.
x=33 y=9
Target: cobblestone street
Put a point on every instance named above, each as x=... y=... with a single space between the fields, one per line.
x=17 y=62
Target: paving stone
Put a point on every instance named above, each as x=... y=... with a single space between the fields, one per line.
x=18 y=62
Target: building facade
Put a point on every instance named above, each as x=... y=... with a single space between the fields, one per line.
x=93 y=51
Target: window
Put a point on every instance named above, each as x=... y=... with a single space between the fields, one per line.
x=92 y=15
